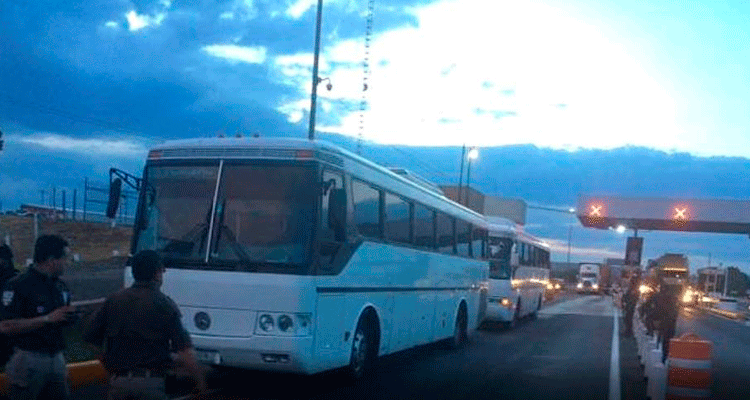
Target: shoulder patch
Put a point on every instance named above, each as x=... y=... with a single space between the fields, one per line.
x=7 y=297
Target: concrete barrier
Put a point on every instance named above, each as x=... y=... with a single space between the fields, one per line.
x=726 y=313
x=653 y=359
x=656 y=387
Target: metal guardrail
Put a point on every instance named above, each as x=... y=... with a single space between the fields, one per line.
x=729 y=314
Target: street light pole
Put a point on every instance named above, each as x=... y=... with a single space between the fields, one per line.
x=315 y=78
x=570 y=232
x=468 y=179
x=461 y=174
x=473 y=155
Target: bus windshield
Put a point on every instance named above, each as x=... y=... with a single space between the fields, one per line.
x=499 y=250
x=177 y=210
x=263 y=220
x=265 y=217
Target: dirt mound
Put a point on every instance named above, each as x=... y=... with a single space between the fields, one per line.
x=93 y=242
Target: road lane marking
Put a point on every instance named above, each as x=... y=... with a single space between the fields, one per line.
x=614 y=364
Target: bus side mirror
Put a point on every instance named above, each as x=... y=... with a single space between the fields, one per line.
x=337 y=213
x=115 y=188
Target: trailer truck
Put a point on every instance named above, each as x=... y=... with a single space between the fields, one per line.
x=589 y=276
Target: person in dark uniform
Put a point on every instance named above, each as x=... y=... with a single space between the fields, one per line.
x=36 y=307
x=7 y=267
x=139 y=327
x=7 y=271
x=630 y=299
x=666 y=312
x=648 y=313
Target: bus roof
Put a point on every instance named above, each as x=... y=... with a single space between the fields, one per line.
x=502 y=227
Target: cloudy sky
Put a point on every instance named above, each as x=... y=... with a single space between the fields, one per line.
x=85 y=85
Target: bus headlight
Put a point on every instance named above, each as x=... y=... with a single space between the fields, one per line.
x=579 y=285
x=289 y=324
x=557 y=286
x=506 y=302
x=266 y=322
x=285 y=323
x=550 y=286
x=595 y=286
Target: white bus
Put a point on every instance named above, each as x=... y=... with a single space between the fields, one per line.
x=295 y=255
x=519 y=272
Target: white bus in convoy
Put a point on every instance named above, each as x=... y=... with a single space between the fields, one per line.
x=296 y=255
x=519 y=272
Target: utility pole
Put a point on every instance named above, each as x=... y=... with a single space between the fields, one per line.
x=570 y=232
x=315 y=78
x=461 y=174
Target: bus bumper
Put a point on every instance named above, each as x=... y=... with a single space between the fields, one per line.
x=499 y=312
x=268 y=353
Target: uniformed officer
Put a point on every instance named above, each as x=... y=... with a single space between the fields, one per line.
x=7 y=271
x=666 y=312
x=630 y=299
x=36 y=307
x=138 y=328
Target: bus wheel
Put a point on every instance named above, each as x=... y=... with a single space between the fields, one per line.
x=516 y=315
x=460 y=329
x=363 y=350
x=538 y=307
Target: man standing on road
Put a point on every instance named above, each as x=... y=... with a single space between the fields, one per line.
x=138 y=328
x=666 y=312
x=36 y=307
x=629 y=301
x=7 y=271
x=7 y=268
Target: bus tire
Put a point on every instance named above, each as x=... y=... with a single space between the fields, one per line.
x=460 y=329
x=516 y=315
x=534 y=313
x=364 y=347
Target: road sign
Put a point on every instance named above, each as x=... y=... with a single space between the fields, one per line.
x=633 y=251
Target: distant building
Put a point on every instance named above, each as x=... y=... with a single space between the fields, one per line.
x=711 y=280
x=493 y=206
x=728 y=281
x=737 y=282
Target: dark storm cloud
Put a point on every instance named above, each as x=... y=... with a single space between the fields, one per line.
x=63 y=70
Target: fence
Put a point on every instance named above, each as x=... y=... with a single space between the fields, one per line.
x=95 y=198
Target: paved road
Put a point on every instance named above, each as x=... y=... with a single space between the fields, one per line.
x=564 y=354
x=731 y=351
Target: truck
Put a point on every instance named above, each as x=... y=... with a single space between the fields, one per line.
x=589 y=276
x=673 y=269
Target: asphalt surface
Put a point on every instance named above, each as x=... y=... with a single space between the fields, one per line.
x=731 y=351
x=565 y=353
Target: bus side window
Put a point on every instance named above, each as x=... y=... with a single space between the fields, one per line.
x=477 y=242
x=366 y=201
x=424 y=227
x=397 y=224
x=446 y=236
x=463 y=238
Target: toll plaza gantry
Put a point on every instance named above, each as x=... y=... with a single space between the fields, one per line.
x=662 y=214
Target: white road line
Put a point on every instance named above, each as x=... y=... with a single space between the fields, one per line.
x=614 y=364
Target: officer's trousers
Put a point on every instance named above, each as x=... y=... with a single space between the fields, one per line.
x=35 y=376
